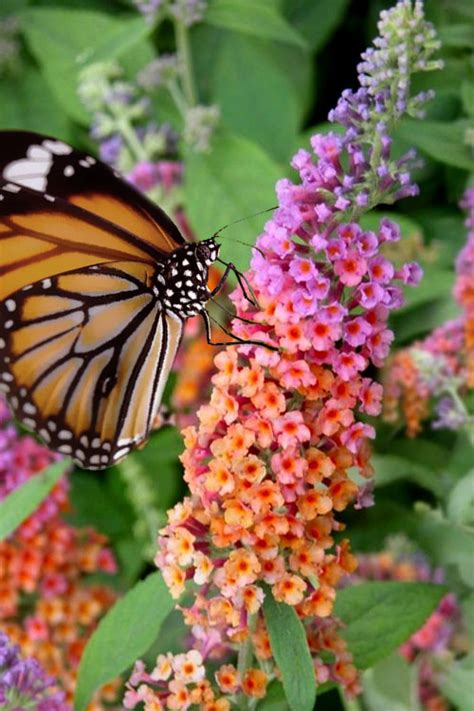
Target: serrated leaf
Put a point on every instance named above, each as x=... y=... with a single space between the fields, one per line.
x=123 y=635
x=235 y=180
x=253 y=18
x=290 y=650
x=378 y=617
x=18 y=505
x=440 y=140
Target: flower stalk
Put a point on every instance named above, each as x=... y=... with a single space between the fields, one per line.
x=269 y=466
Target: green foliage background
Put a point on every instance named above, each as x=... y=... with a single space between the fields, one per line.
x=275 y=68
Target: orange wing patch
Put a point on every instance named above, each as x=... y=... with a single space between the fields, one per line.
x=86 y=371
x=128 y=216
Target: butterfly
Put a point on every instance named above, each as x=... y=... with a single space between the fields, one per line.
x=96 y=283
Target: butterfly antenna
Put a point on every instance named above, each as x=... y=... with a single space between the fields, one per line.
x=243 y=219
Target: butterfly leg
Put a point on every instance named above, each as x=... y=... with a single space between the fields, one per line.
x=229 y=267
x=207 y=324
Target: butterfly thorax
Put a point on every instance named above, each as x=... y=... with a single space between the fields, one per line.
x=181 y=280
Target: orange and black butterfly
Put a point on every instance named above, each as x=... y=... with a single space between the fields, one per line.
x=96 y=283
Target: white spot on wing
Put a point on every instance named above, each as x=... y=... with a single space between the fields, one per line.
x=57 y=147
x=68 y=171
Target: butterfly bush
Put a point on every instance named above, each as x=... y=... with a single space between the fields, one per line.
x=440 y=368
x=442 y=639
x=47 y=607
x=270 y=464
x=23 y=683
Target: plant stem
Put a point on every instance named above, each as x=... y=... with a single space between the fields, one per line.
x=130 y=137
x=349 y=704
x=177 y=96
x=245 y=659
x=184 y=55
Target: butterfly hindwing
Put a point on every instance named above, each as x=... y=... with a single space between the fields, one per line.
x=50 y=166
x=84 y=358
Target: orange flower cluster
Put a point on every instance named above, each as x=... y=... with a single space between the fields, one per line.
x=407 y=391
x=464 y=287
x=407 y=395
x=46 y=605
x=181 y=683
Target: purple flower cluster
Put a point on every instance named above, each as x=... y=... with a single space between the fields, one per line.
x=186 y=11
x=23 y=683
x=404 y=46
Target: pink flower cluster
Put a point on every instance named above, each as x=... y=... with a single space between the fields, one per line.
x=268 y=466
x=441 y=366
x=271 y=463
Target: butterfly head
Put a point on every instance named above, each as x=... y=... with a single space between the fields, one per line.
x=207 y=251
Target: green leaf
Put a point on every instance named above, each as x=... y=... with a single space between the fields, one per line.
x=275 y=699
x=460 y=35
x=457 y=683
x=64 y=40
x=95 y=503
x=253 y=18
x=252 y=108
x=290 y=650
x=440 y=140
x=123 y=635
x=446 y=542
x=436 y=284
x=467 y=95
x=27 y=103
x=392 y=685
x=18 y=505
x=461 y=456
x=316 y=21
x=232 y=182
x=390 y=468
x=420 y=320
x=158 y=463
x=461 y=501
x=381 y=616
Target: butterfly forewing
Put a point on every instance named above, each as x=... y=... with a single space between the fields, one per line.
x=42 y=235
x=84 y=358
x=50 y=166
